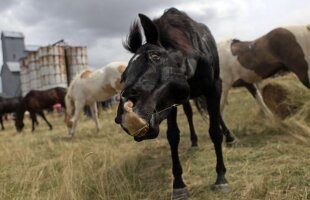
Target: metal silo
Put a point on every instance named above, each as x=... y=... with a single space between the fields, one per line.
x=76 y=60
x=33 y=71
x=53 y=67
x=24 y=76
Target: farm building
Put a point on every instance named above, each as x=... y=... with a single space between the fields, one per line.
x=13 y=48
x=31 y=67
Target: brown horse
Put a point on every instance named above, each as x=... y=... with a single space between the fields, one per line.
x=35 y=102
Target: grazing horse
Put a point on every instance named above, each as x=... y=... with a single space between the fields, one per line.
x=8 y=105
x=88 y=87
x=36 y=101
x=178 y=61
x=244 y=63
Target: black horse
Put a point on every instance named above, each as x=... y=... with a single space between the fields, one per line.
x=35 y=102
x=178 y=61
x=8 y=105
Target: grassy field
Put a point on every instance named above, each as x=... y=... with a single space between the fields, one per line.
x=270 y=161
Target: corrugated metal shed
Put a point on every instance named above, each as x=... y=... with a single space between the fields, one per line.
x=12 y=34
x=13 y=66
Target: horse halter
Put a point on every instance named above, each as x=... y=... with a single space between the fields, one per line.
x=143 y=130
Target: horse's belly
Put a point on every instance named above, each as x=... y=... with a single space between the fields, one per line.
x=99 y=96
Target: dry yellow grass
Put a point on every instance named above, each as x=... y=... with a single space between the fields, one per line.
x=270 y=161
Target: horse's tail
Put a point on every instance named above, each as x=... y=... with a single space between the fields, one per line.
x=201 y=105
x=70 y=108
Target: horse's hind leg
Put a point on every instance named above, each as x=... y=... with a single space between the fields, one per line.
x=33 y=119
x=94 y=112
x=44 y=118
x=189 y=114
x=36 y=120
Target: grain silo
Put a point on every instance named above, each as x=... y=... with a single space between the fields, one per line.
x=34 y=82
x=24 y=76
x=52 y=67
x=76 y=58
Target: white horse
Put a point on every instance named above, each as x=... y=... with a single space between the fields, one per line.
x=246 y=63
x=88 y=87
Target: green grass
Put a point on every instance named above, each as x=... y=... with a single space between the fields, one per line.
x=270 y=161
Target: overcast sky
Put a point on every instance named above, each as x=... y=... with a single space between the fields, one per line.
x=101 y=25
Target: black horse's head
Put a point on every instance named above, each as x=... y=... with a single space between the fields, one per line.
x=154 y=80
x=19 y=121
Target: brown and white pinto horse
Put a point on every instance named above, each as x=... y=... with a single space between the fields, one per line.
x=244 y=63
x=88 y=87
x=35 y=102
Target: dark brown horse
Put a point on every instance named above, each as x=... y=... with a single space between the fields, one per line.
x=9 y=105
x=36 y=101
x=178 y=61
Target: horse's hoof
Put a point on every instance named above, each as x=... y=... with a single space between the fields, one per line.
x=231 y=143
x=180 y=194
x=193 y=148
x=220 y=188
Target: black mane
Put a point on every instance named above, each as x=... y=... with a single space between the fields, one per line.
x=178 y=31
x=134 y=39
x=175 y=30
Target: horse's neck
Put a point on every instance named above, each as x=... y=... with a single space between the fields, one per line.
x=238 y=47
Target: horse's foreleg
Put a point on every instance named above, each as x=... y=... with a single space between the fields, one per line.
x=252 y=88
x=213 y=103
x=44 y=118
x=74 y=119
x=230 y=139
x=189 y=114
x=225 y=90
x=94 y=112
x=173 y=136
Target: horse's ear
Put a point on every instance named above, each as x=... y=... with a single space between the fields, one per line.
x=150 y=30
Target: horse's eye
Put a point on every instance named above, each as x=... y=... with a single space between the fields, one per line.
x=154 y=56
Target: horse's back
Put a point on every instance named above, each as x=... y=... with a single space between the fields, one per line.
x=99 y=84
